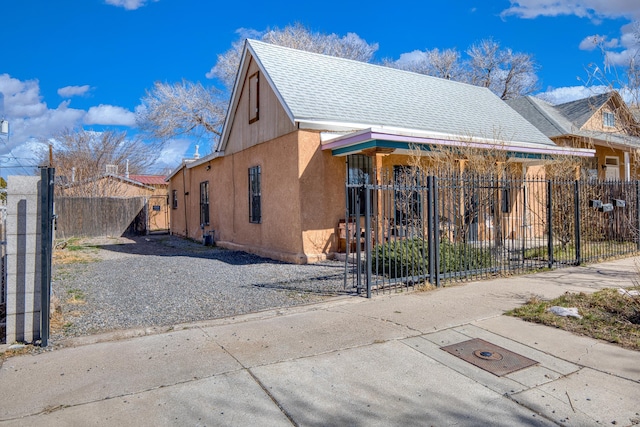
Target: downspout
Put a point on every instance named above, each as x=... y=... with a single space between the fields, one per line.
x=184 y=200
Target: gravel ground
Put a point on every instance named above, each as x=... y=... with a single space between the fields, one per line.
x=164 y=280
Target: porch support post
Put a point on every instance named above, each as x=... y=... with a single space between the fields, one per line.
x=379 y=223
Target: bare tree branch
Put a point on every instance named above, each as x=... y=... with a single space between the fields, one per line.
x=184 y=108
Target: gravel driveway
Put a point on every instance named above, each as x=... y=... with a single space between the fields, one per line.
x=164 y=280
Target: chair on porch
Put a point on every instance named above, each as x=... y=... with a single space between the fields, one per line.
x=356 y=235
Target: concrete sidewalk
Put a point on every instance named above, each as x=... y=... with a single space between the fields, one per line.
x=350 y=361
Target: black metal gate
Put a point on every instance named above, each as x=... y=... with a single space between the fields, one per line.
x=405 y=228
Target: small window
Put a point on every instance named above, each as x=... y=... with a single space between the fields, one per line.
x=254 y=98
x=608 y=119
x=255 y=214
x=204 y=203
x=174 y=199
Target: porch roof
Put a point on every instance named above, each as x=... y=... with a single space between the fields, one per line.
x=405 y=141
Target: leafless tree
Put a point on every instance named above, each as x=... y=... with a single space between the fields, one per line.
x=185 y=108
x=506 y=73
x=83 y=156
x=445 y=64
x=296 y=36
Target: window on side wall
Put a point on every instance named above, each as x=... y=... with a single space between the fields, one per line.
x=204 y=203
x=174 y=199
x=608 y=119
x=254 y=98
x=255 y=195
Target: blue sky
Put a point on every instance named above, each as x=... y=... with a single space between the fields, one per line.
x=70 y=63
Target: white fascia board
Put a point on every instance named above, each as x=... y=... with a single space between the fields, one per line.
x=183 y=164
x=233 y=103
x=235 y=94
x=205 y=159
x=271 y=84
x=358 y=128
x=422 y=137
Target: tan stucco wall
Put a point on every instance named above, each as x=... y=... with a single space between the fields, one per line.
x=302 y=191
x=322 y=196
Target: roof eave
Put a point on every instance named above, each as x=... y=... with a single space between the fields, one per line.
x=423 y=138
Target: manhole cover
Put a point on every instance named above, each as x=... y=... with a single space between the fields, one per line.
x=490 y=357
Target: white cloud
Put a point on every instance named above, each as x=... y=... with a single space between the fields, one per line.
x=29 y=117
x=69 y=91
x=172 y=154
x=23 y=159
x=593 y=9
x=414 y=57
x=128 y=4
x=561 y=95
x=31 y=120
x=598 y=41
x=110 y=115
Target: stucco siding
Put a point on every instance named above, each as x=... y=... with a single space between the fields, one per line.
x=322 y=196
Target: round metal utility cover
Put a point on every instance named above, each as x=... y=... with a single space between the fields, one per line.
x=487 y=355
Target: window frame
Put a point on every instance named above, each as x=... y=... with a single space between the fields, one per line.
x=174 y=199
x=204 y=203
x=608 y=119
x=254 y=97
x=255 y=194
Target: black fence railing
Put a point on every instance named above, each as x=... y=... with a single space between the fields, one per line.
x=409 y=228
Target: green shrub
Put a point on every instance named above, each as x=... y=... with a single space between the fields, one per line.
x=410 y=257
x=399 y=258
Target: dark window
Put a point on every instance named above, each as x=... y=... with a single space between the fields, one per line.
x=360 y=172
x=254 y=98
x=174 y=199
x=204 y=203
x=255 y=213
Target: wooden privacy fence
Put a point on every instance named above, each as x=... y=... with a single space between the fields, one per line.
x=100 y=216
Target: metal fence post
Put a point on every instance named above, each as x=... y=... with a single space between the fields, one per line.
x=576 y=192
x=436 y=231
x=367 y=236
x=549 y=223
x=430 y=228
x=46 y=212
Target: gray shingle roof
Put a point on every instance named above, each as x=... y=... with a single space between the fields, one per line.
x=542 y=115
x=568 y=118
x=581 y=110
x=316 y=87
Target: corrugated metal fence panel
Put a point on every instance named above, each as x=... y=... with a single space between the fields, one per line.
x=99 y=216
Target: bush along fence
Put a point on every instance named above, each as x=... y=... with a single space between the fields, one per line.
x=409 y=228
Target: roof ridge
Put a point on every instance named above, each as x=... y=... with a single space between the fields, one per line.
x=368 y=64
x=544 y=113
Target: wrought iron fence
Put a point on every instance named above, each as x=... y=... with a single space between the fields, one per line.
x=407 y=228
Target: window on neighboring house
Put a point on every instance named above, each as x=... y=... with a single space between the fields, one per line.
x=254 y=97
x=255 y=195
x=174 y=199
x=360 y=172
x=204 y=203
x=608 y=119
